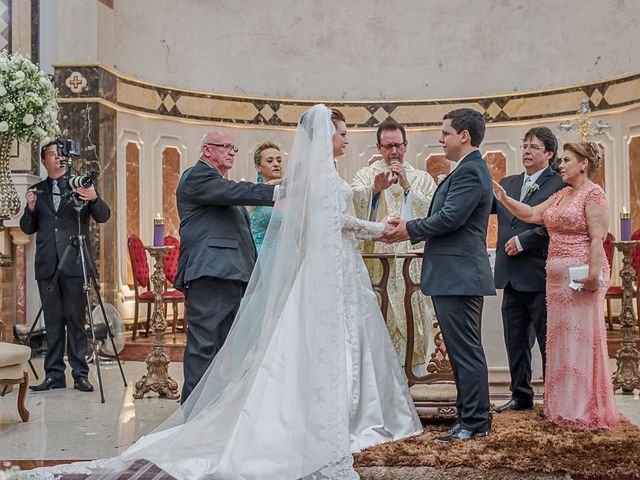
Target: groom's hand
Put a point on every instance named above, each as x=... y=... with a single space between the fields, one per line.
x=399 y=232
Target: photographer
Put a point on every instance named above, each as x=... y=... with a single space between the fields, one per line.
x=50 y=212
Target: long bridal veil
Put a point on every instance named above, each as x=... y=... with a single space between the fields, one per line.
x=237 y=423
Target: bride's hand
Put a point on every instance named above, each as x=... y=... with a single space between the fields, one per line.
x=275 y=181
x=387 y=228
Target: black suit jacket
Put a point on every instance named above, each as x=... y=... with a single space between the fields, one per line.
x=525 y=271
x=455 y=260
x=54 y=229
x=215 y=235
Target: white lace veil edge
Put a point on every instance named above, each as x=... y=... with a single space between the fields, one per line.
x=301 y=253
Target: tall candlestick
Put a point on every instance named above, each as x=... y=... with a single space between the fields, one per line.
x=158 y=231
x=625 y=225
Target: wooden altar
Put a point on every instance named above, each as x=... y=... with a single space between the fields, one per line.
x=434 y=394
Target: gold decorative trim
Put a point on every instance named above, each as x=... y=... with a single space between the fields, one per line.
x=192 y=106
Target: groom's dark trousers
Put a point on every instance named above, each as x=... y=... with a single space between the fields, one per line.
x=459 y=320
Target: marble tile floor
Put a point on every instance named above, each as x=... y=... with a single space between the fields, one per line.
x=67 y=424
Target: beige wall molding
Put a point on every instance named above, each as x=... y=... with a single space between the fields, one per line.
x=91 y=83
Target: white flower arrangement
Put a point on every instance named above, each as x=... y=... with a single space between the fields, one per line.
x=12 y=473
x=28 y=100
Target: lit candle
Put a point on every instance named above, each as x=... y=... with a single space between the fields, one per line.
x=625 y=225
x=158 y=231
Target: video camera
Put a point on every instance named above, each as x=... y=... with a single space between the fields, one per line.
x=67 y=149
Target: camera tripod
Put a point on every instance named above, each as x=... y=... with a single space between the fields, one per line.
x=89 y=278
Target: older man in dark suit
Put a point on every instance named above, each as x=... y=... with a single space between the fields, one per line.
x=521 y=254
x=50 y=213
x=455 y=268
x=217 y=253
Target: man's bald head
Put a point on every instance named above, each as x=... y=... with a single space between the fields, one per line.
x=218 y=151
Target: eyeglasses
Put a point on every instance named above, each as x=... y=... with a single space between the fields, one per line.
x=225 y=146
x=532 y=147
x=391 y=146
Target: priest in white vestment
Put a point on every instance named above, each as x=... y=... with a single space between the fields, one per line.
x=391 y=187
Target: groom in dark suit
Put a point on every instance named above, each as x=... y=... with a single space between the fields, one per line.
x=217 y=253
x=521 y=254
x=455 y=268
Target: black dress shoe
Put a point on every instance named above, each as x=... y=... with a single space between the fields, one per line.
x=49 y=383
x=455 y=426
x=462 y=434
x=513 y=405
x=83 y=385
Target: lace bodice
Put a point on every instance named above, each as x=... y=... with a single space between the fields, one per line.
x=567 y=224
x=362 y=229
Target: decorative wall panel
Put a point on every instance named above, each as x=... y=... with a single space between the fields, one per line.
x=132 y=152
x=634 y=182
x=104 y=84
x=437 y=166
x=497 y=163
x=170 y=178
x=5 y=25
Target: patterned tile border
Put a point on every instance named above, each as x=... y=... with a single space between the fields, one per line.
x=5 y=25
x=98 y=83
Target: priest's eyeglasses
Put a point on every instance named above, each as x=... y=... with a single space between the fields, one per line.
x=391 y=146
x=225 y=146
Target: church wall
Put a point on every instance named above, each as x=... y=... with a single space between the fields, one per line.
x=500 y=148
x=176 y=70
x=369 y=49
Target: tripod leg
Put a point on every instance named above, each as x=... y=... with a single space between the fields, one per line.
x=87 y=295
x=92 y=270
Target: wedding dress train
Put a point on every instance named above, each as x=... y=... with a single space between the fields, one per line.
x=308 y=374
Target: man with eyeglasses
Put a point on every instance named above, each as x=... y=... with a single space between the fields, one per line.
x=217 y=253
x=390 y=187
x=521 y=254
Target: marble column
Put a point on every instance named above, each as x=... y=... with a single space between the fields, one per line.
x=437 y=166
x=94 y=125
x=132 y=152
x=634 y=182
x=7 y=270
x=20 y=240
x=170 y=178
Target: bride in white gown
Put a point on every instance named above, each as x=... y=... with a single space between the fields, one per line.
x=307 y=375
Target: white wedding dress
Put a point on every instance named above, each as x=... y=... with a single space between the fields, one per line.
x=308 y=374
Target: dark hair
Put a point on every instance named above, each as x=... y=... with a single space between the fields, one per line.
x=261 y=148
x=547 y=137
x=469 y=120
x=390 y=125
x=337 y=116
x=43 y=148
x=590 y=151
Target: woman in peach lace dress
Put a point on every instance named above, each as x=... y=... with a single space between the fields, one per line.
x=578 y=390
